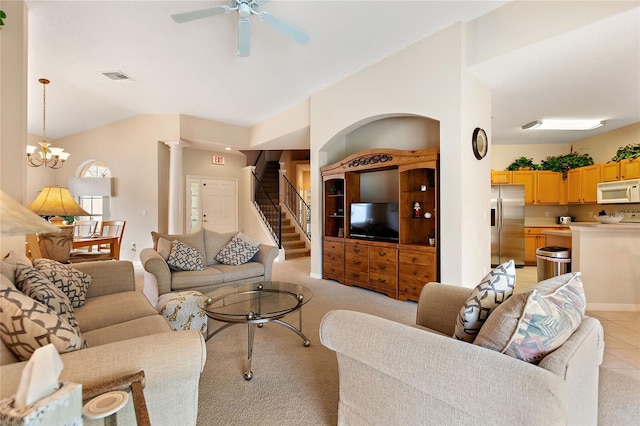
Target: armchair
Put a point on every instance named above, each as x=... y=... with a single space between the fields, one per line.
x=392 y=373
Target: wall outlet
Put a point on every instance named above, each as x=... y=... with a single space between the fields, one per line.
x=133 y=247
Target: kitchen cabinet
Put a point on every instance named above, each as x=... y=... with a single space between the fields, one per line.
x=528 y=179
x=550 y=188
x=533 y=240
x=500 y=176
x=582 y=185
x=609 y=172
x=630 y=169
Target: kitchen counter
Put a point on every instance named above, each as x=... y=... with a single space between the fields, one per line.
x=558 y=233
x=608 y=257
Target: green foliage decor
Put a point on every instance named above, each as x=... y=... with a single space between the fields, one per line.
x=627 y=152
x=564 y=163
x=523 y=163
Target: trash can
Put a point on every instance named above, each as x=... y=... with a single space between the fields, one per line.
x=553 y=261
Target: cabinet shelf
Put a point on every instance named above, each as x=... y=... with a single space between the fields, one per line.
x=336 y=216
x=335 y=195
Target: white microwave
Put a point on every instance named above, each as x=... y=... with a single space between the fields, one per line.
x=618 y=192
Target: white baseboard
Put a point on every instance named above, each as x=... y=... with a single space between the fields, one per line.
x=627 y=307
x=316 y=276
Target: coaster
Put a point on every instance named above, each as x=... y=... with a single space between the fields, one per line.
x=105 y=404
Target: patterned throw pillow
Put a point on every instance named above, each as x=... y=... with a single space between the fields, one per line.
x=495 y=288
x=530 y=325
x=26 y=325
x=184 y=258
x=35 y=285
x=236 y=252
x=70 y=281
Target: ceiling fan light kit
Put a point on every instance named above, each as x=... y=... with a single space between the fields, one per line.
x=557 y=124
x=245 y=9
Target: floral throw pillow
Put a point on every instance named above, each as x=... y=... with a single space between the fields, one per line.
x=26 y=325
x=35 y=285
x=236 y=252
x=495 y=288
x=70 y=281
x=184 y=257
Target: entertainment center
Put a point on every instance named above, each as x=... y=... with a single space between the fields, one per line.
x=380 y=221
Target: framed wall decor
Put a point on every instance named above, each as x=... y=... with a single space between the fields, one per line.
x=479 y=143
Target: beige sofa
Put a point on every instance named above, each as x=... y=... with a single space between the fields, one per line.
x=124 y=335
x=209 y=243
x=392 y=373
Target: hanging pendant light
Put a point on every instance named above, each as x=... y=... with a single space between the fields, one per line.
x=45 y=155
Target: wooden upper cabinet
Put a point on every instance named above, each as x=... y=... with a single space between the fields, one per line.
x=582 y=184
x=609 y=172
x=630 y=169
x=550 y=188
x=501 y=176
x=528 y=179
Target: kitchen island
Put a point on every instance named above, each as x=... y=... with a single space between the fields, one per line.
x=608 y=257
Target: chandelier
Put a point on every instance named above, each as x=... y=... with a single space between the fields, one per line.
x=45 y=155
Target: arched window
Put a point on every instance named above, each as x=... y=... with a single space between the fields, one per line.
x=97 y=206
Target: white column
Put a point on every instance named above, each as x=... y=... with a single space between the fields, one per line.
x=176 y=188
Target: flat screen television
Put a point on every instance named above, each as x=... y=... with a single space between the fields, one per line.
x=374 y=221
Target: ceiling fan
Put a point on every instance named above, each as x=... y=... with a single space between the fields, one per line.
x=245 y=9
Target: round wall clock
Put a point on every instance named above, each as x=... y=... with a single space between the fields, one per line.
x=479 y=143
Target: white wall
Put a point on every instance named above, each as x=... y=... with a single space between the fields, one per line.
x=426 y=79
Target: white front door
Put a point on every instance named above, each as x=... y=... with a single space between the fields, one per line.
x=219 y=205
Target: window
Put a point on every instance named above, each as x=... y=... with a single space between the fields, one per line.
x=97 y=206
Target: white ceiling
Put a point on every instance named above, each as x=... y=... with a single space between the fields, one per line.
x=192 y=68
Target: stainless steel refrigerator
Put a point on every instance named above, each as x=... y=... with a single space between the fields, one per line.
x=507 y=224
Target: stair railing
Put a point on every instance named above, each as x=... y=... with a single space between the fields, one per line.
x=299 y=208
x=271 y=214
x=260 y=164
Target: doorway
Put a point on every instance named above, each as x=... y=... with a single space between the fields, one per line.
x=212 y=204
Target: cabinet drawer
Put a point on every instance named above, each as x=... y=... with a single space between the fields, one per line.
x=356 y=276
x=358 y=263
x=333 y=257
x=411 y=288
x=383 y=279
x=333 y=247
x=356 y=250
x=383 y=255
x=408 y=258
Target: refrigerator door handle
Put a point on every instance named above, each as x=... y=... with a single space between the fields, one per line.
x=493 y=217
x=499 y=206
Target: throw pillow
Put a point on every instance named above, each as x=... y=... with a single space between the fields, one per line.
x=11 y=261
x=164 y=248
x=236 y=252
x=26 y=325
x=184 y=258
x=35 y=285
x=530 y=325
x=495 y=288
x=70 y=281
x=195 y=240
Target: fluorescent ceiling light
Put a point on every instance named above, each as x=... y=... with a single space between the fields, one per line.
x=564 y=124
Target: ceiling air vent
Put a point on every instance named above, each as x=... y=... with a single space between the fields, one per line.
x=116 y=75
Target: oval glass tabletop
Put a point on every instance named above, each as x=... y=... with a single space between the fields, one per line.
x=255 y=301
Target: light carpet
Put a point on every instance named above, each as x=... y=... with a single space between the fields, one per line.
x=295 y=385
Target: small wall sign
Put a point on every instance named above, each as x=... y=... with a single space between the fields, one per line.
x=218 y=159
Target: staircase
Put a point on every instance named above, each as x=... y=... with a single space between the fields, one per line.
x=292 y=243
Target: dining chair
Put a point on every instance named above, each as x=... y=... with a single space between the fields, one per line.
x=112 y=228
x=84 y=228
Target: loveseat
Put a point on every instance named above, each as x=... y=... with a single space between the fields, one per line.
x=124 y=334
x=391 y=373
x=208 y=245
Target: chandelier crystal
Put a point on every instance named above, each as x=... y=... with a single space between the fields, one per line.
x=45 y=154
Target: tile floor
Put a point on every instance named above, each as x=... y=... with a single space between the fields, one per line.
x=621 y=331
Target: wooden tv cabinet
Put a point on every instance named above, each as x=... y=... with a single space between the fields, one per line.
x=398 y=269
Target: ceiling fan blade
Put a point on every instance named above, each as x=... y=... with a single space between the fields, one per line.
x=244 y=37
x=199 y=14
x=284 y=27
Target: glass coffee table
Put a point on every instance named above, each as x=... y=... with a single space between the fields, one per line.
x=255 y=304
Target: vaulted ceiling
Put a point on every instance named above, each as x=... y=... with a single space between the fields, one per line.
x=192 y=68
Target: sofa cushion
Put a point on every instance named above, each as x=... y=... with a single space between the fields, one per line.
x=164 y=248
x=195 y=240
x=214 y=242
x=110 y=309
x=531 y=324
x=241 y=272
x=494 y=288
x=26 y=325
x=70 y=281
x=36 y=286
x=10 y=262
x=184 y=258
x=185 y=280
x=236 y=252
x=139 y=327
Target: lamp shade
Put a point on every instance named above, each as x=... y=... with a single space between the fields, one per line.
x=16 y=219
x=56 y=201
